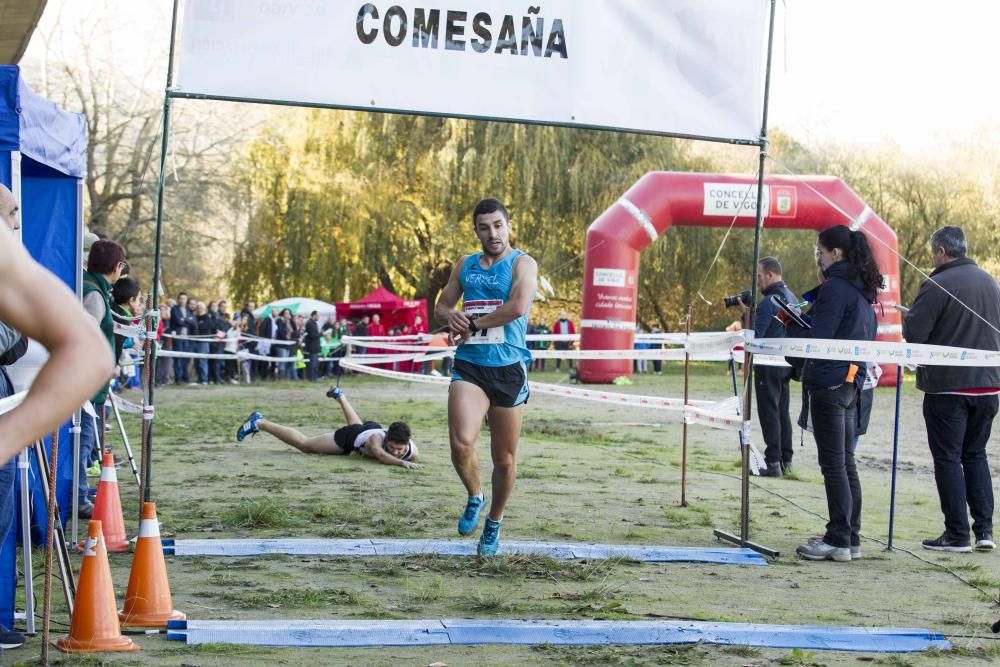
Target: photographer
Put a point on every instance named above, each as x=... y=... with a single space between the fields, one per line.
x=771 y=382
x=842 y=310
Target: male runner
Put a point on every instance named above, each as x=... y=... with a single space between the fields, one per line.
x=490 y=376
x=391 y=446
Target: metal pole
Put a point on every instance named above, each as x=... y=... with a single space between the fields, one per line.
x=74 y=505
x=125 y=442
x=747 y=398
x=895 y=453
x=29 y=582
x=748 y=366
x=147 y=463
x=687 y=379
x=47 y=601
x=65 y=566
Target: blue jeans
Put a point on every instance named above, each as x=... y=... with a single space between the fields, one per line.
x=7 y=473
x=88 y=442
x=286 y=369
x=958 y=428
x=202 y=364
x=834 y=419
x=181 y=363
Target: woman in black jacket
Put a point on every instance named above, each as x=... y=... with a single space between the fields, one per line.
x=842 y=310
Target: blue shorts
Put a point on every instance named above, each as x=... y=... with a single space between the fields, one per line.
x=505 y=386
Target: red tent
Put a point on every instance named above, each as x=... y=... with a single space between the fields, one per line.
x=392 y=310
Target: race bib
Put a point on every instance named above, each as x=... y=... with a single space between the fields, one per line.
x=476 y=309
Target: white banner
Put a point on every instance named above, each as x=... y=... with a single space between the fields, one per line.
x=691 y=67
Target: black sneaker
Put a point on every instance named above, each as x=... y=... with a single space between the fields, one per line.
x=772 y=470
x=786 y=468
x=10 y=639
x=984 y=542
x=950 y=544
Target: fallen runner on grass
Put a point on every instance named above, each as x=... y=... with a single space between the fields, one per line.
x=391 y=446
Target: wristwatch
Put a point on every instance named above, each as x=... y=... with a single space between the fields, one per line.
x=472 y=326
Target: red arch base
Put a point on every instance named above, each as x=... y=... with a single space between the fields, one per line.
x=661 y=199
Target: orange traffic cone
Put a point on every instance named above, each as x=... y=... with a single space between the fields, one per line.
x=147 y=601
x=94 y=627
x=108 y=507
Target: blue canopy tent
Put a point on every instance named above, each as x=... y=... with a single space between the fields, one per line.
x=43 y=158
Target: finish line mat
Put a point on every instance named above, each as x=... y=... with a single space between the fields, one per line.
x=374 y=547
x=463 y=631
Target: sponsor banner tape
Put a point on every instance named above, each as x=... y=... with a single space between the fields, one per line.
x=878 y=351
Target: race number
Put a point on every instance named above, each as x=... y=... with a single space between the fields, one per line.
x=476 y=309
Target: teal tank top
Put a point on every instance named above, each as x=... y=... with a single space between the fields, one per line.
x=484 y=290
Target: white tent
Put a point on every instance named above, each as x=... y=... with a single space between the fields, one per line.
x=298 y=305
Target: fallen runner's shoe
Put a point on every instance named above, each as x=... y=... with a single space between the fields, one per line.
x=335 y=393
x=470 y=517
x=490 y=539
x=249 y=426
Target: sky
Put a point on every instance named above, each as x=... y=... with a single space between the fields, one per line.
x=919 y=73
x=916 y=73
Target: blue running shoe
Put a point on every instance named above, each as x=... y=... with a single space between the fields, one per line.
x=470 y=518
x=249 y=426
x=490 y=539
x=335 y=393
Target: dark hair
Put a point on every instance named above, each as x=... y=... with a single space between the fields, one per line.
x=857 y=254
x=770 y=265
x=124 y=290
x=398 y=432
x=104 y=257
x=951 y=239
x=489 y=206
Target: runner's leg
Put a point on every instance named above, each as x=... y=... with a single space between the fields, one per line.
x=349 y=413
x=505 y=433
x=320 y=444
x=467 y=404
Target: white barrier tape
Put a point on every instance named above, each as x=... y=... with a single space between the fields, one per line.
x=125 y=406
x=716 y=342
x=757 y=461
x=879 y=351
x=372 y=341
x=398 y=375
x=147 y=413
x=11 y=402
x=656 y=402
x=608 y=325
x=656 y=355
x=130 y=330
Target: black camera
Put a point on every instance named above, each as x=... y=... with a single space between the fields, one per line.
x=736 y=299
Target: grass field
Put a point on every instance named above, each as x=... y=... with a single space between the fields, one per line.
x=588 y=472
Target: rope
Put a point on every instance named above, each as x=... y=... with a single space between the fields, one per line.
x=725 y=237
x=857 y=223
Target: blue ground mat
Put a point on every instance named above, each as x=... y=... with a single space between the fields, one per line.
x=378 y=547
x=465 y=631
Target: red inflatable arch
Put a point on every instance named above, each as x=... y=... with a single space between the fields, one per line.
x=661 y=199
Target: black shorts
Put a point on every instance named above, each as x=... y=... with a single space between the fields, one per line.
x=505 y=386
x=346 y=435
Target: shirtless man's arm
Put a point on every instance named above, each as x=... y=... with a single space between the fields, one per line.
x=37 y=304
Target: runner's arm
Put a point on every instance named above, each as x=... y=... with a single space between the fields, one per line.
x=37 y=304
x=445 y=311
x=522 y=291
x=374 y=449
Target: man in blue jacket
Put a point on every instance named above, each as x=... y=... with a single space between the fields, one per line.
x=771 y=382
x=958 y=306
